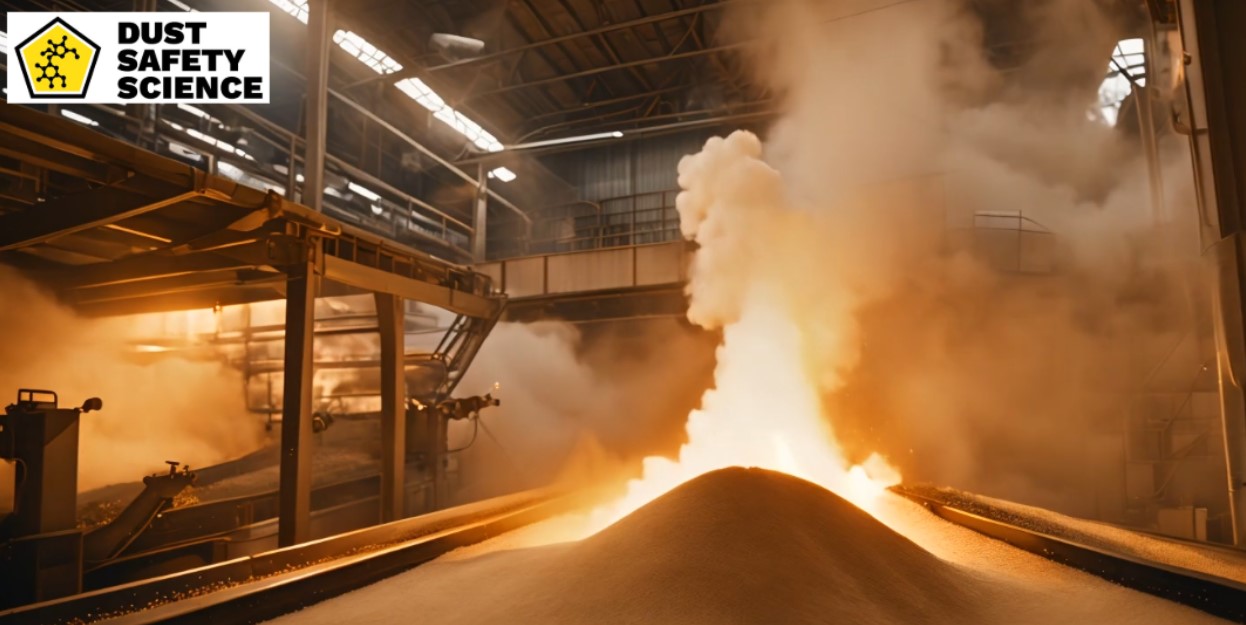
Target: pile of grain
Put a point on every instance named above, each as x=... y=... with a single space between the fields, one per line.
x=743 y=546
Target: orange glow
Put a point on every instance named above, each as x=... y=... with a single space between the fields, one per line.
x=151 y=349
x=788 y=336
x=764 y=412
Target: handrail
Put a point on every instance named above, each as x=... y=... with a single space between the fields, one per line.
x=603 y=228
x=436 y=227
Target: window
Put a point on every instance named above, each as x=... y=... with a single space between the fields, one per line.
x=1128 y=61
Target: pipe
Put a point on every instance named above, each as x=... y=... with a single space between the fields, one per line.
x=629 y=135
x=316 y=120
x=610 y=68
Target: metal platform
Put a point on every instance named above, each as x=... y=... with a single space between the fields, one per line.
x=624 y=282
x=114 y=229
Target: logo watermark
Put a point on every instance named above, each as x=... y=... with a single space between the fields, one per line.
x=122 y=58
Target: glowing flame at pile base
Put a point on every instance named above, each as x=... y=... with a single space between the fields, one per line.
x=751 y=278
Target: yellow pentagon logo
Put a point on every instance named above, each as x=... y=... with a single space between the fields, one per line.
x=57 y=61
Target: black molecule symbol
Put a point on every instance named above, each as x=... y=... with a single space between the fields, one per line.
x=50 y=71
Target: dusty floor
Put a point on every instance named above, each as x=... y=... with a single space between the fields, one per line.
x=748 y=546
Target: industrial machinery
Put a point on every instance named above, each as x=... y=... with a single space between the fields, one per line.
x=46 y=552
x=43 y=552
x=427 y=440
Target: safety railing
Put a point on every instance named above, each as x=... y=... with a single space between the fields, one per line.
x=1007 y=241
x=639 y=219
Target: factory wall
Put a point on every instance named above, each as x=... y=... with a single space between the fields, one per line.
x=626 y=168
x=619 y=194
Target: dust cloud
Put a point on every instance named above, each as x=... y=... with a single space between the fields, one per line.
x=154 y=410
x=904 y=124
x=579 y=402
x=839 y=254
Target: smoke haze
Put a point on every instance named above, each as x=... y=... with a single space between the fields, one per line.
x=579 y=403
x=898 y=126
x=845 y=240
x=167 y=409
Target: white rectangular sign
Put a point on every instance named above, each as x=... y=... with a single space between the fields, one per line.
x=136 y=57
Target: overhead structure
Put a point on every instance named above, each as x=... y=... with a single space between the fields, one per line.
x=1215 y=119
x=562 y=68
x=114 y=229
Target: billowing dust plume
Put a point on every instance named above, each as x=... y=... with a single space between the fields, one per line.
x=156 y=410
x=854 y=323
x=578 y=402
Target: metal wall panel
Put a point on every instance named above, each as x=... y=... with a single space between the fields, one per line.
x=657 y=160
x=494 y=271
x=590 y=271
x=604 y=173
x=628 y=168
x=660 y=264
x=525 y=277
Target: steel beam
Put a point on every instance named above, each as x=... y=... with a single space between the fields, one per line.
x=154 y=266
x=317 y=119
x=480 y=230
x=40 y=155
x=173 y=285
x=590 y=125
x=225 y=296
x=391 y=322
x=610 y=68
x=294 y=521
x=628 y=135
x=77 y=213
x=359 y=108
x=485 y=58
x=405 y=138
x=73 y=139
x=595 y=104
x=380 y=281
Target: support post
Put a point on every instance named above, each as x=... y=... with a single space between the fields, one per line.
x=1215 y=119
x=480 y=233
x=316 y=119
x=390 y=318
x=1150 y=149
x=294 y=507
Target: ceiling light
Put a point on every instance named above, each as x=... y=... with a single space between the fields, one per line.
x=81 y=119
x=414 y=88
x=455 y=45
x=369 y=54
x=297 y=8
x=503 y=174
x=417 y=90
x=364 y=192
x=200 y=113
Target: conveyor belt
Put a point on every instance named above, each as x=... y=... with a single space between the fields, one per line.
x=1215 y=595
x=260 y=587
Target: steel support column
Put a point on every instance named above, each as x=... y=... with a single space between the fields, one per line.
x=1215 y=117
x=390 y=319
x=317 y=118
x=296 y=410
x=480 y=225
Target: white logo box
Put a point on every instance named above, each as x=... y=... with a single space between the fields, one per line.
x=246 y=34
